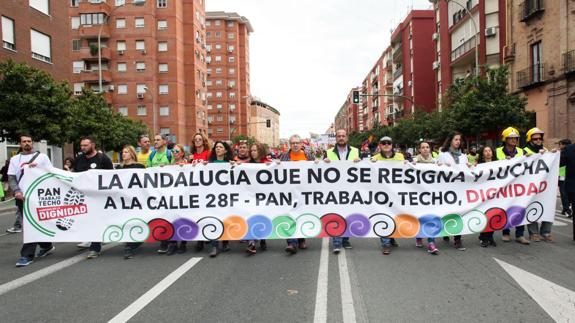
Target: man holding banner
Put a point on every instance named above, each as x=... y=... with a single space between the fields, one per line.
x=341 y=151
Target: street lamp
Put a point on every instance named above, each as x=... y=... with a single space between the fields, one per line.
x=476 y=70
x=138 y=3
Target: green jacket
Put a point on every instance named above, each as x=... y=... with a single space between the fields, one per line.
x=158 y=159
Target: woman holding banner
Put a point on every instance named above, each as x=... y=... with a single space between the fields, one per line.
x=451 y=154
x=257 y=155
x=179 y=156
x=486 y=155
x=200 y=150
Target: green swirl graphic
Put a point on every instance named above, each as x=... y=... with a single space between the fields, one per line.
x=284 y=227
x=136 y=229
x=452 y=225
x=309 y=225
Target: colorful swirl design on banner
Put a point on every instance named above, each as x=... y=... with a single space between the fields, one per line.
x=160 y=229
x=475 y=221
x=308 y=225
x=284 y=227
x=534 y=212
x=515 y=216
x=211 y=228
x=452 y=225
x=358 y=225
x=113 y=233
x=382 y=225
x=496 y=219
x=235 y=228
x=260 y=227
x=334 y=225
x=185 y=230
x=429 y=226
x=407 y=226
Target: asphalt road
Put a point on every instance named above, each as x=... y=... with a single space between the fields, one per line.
x=359 y=285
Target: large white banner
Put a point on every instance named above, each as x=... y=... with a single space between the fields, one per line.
x=289 y=200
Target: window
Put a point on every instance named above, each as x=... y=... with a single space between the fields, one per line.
x=219 y=94
x=139 y=22
x=92 y=18
x=230 y=23
x=208 y=34
x=208 y=23
x=219 y=70
x=75 y=22
x=78 y=88
x=120 y=3
x=74 y=3
x=231 y=35
x=232 y=71
x=163 y=89
x=121 y=45
x=232 y=95
x=232 y=107
x=8 y=33
x=210 y=119
x=219 y=82
x=40 y=5
x=41 y=49
x=162 y=24
x=218 y=46
x=163 y=67
x=141 y=88
x=122 y=89
x=218 y=58
x=218 y=34
x=208 y=71
x=140 y=66
x=140 y=45
x=220 y=118
x=77 y=67
x=123 y=110
x=536 y=60
x=220 y=130
x=142 y=111
x=162 y=3
x=208 y=83
x=162 y=46
x=219 y=106
x=231 y=59
x=76 y=44
x=232 y=83
x=122 y=67
x=164 y=111
x=209 y=106
x=217 y=22
x=210 y=131
x=231 y=48
x=120 y=23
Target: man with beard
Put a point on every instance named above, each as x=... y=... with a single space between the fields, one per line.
x=27 y=156
x=243 y=155
x=88 y=160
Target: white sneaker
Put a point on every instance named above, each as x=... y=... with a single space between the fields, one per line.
x=84 y=245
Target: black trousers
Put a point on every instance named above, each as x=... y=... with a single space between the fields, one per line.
x=29 y=249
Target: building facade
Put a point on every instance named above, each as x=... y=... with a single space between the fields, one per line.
x=348 y=115
x=148 y=57
x=468 y=34
x=540 y=50
x=260 y=113
x=228 y=74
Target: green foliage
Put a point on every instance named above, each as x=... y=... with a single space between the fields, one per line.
x=251 y=140
x=94 y=49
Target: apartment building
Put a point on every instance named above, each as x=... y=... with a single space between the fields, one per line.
x=348 y=115
x=260 y=113
x=228 y=75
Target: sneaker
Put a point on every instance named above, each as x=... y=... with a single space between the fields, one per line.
x=83 y=245
x=522 y=241
x=128 y=253
x=492 y=243
x=182 y=248
x=446 y=239
x=93 y=254
x=535 y=237
x=459 y=245
x=251 y=249
x=291 y=249
x=336 y=251
x=432 y=249
x=419 y=243
x=14 y=230
x=302 y=244
x=484 y=243
x=394 y=243
x=263 y=245
x=23 y=262
x=386 y=249
x=548 y=238
x=569 y=213
x=214 y=252
x=346 y=244
x=171 y=249
x=225 y=246
x=199 y=246
x=45 y=252
x=506 y=238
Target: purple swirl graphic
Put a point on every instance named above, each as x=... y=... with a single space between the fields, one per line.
x=358 y=225
x=515 y=216
x=185 y=229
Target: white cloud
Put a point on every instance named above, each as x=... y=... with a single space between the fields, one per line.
x=305 y=56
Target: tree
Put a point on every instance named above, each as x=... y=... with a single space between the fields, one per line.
x=32 y=102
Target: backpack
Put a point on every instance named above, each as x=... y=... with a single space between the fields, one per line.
x=168 y=155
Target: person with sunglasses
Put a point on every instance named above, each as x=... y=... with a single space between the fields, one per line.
x=534 y=146
x=200 y=150
x=509 y=150
x=386 y=153
x=179 y=156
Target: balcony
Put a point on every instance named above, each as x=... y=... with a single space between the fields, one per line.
x=92 y=76
x=531 y=76
x=569 y=62
x=87 y=6
x=397 y=53
x=91 y=31
x=530 y=8
x=398 y=72
x=86 y=54
x=463 y=48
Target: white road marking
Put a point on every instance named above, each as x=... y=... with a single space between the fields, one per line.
x=347 y=308
x=559 y=224
x=556 y=300
x=150 y=295
x=24 y=280
x=320 y=315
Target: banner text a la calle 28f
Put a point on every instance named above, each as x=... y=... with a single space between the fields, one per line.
x=292 y=199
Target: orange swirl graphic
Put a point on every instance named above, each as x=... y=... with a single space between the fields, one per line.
x=407 y=226
x=235 y=228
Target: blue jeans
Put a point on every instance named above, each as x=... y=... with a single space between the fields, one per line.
x=545 y=228
x=385 y=241
x=519 y=231
x=295 y=242
x=338 y=241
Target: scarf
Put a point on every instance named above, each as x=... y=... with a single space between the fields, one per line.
x=421 y=159
x=455 y=154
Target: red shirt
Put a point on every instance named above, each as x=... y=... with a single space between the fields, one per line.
x=203 y=156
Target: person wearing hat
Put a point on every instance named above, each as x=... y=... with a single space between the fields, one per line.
x=510 y=149
x=386 y=153
x=562 y=170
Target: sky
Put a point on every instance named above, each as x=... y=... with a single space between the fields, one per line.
x=306 y=55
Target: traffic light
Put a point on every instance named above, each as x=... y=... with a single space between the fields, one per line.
x=355 y=96
x=268 y=123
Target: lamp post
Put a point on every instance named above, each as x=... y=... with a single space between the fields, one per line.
x=476 y=70
x=105 y=22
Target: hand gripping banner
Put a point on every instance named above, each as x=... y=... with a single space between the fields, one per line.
x=289 y=200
